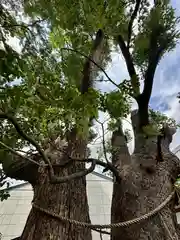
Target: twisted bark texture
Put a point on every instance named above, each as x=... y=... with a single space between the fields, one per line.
x=146 y=183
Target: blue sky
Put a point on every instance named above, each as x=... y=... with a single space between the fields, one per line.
x=167 y=84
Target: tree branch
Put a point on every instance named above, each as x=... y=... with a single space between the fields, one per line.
x=155 y=54
x=96 y=51
x=107 y=165
x=2 y=177
x=90 y=59
x=74 y=175
x=101 y=231
x=134 y=15
x=103 y=140
x=18 y=154
x=127 y=56
x=53 y=178
x=27 y=138
x=129 y=64
x=101 y=236
x=86 y=83
x=23 y=25
x=20 y=169
x=120 y=152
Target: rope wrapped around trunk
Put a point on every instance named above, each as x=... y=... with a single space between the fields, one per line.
x=107 y=226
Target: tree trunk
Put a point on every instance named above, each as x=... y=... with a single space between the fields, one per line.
x=66 y=199
x=145 y=184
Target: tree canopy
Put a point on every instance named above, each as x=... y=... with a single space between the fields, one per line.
x=39 y=84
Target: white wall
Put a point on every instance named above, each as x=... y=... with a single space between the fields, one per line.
x=177 y=151
x=178 y=154
x=14 y=211
x=99 y=192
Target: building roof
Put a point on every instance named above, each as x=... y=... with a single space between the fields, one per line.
x=14 y=211
x=17 y=184
x=177 y=149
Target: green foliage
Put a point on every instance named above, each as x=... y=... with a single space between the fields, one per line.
x=87 y=16
x=128 y=135
x=151 y=130
x=177 y=183
x=4 y=194
x=160 y=21
x=116 y=103
x=126 y=87
x=40 y=83
x=92 y=135
x=114 y=124
x=157 y=121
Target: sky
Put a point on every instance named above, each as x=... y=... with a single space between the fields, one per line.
x=166 y=84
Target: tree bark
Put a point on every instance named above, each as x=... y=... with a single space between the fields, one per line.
x=145 y=184
x=66 y=199
x=120 y=158
x=19 y=168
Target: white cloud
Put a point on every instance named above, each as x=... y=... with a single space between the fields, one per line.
x=166 y=84
x=116 y=70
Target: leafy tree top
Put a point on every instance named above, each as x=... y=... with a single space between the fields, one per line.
x=55 y=40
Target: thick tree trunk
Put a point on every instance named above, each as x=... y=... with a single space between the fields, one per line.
x=145 y=184
x=66 y=199
x=120 y=158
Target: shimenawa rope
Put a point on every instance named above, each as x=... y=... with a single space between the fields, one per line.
x=113 y=225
